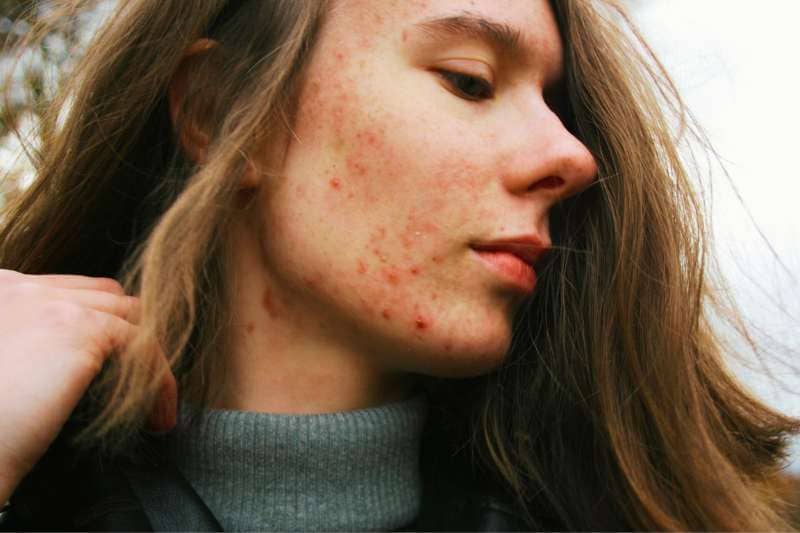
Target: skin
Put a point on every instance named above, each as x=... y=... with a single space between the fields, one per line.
x=352 y=271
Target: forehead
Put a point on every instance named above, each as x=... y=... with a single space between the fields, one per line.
x=531 y=23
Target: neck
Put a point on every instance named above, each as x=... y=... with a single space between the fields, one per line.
x=283 y=359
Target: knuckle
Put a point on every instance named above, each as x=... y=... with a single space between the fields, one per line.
x=65 y=314
x=18 y=291
x=8 y=275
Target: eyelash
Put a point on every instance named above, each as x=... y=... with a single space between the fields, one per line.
x=485 y=91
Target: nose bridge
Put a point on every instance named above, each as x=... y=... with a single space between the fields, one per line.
x=546 y=156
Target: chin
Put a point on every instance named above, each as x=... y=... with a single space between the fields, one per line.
x=465 y=363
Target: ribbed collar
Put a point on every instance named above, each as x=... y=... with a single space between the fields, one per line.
x=351 y=470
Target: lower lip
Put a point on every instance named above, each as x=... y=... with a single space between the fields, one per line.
x=510 y=268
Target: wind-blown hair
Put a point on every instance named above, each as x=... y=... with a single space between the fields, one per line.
x=614 y=407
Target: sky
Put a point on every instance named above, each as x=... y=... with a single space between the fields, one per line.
x=736 y=64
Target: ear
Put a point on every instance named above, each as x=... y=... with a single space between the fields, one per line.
x=192 y=136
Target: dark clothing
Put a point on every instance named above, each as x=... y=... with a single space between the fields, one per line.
x=69 y=491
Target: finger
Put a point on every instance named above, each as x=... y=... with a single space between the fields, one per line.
x=125 y=307
x=69 y=281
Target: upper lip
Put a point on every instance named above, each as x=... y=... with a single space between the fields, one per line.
x=529 y=248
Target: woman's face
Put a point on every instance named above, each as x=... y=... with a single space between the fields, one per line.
x=423 y=132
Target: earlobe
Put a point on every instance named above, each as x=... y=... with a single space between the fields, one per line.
x=193 y=138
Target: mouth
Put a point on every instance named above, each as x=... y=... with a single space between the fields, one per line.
x=513 y=260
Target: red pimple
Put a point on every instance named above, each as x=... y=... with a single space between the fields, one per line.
x=434 y=296
x=335 y=183
x=421 y=323
x=362 y=267
x=414 y=270
x=386 y=314
x=390 y=274
x=448 y=347
x=430 y=228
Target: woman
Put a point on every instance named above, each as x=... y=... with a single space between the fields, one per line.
x=329 y=210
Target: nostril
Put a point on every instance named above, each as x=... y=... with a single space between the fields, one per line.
x=550 y=182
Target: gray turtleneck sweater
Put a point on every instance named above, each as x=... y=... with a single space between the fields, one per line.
x=353 y=470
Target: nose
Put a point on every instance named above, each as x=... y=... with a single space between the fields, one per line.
x=546 y=159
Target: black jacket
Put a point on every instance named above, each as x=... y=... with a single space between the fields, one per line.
x=83 y=491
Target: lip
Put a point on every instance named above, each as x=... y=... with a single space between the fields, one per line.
x=513 y=259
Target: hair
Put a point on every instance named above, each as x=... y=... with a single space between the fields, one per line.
x=614 y=407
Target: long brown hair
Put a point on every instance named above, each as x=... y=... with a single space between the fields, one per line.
x=614 y=407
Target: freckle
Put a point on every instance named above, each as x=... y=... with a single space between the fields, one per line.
x=335 y=183
x=362 y=268
x=436 y=259
x=386 y=314
x=250 y=327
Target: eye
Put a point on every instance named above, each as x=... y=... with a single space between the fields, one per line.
x=467 y=86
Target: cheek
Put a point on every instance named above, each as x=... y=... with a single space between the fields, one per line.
x=377 y=213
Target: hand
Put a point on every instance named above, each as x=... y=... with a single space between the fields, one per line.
x=56 y=331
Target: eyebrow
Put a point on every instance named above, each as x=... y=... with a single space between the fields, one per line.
x=506 y=39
